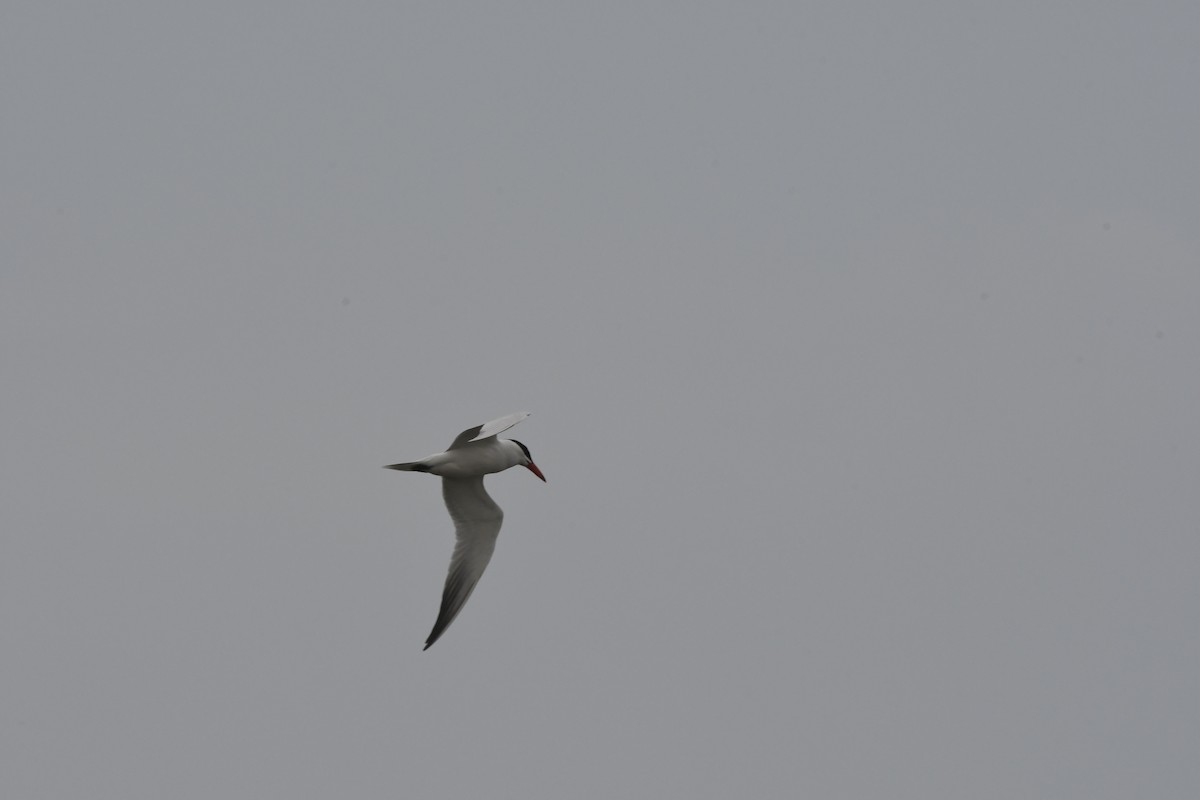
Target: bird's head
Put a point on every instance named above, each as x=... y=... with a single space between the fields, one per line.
x=528 y=462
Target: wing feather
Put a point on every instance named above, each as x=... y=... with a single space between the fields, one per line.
x=477 y=521
x=487 y=429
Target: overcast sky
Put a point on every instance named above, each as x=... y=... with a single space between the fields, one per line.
x=863 y=346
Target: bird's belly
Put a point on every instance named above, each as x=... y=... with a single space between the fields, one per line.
x=468 y=462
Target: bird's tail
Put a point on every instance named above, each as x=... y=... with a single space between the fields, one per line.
x=410 y=466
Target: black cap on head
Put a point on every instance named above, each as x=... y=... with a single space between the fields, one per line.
x=524 y=449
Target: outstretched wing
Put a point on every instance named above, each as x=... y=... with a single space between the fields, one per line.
x=477 y=521
x=487 y=429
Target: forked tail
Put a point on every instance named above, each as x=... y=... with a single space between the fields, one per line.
x=410 y=466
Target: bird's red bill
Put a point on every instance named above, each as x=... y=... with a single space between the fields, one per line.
x=532 y=467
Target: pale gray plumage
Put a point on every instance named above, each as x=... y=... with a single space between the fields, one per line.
x=477 y=521
x=474 y=453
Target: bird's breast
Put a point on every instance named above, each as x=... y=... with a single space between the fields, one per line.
x=470 y=461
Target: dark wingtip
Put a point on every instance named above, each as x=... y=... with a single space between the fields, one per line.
x=427 y=646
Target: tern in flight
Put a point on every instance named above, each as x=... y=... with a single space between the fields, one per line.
x=474 y=453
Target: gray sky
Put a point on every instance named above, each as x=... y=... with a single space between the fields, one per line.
x=864 y=355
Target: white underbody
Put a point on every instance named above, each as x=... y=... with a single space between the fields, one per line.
x=476 y=458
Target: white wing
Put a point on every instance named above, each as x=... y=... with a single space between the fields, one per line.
x=477 y=521
x=487 y=429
